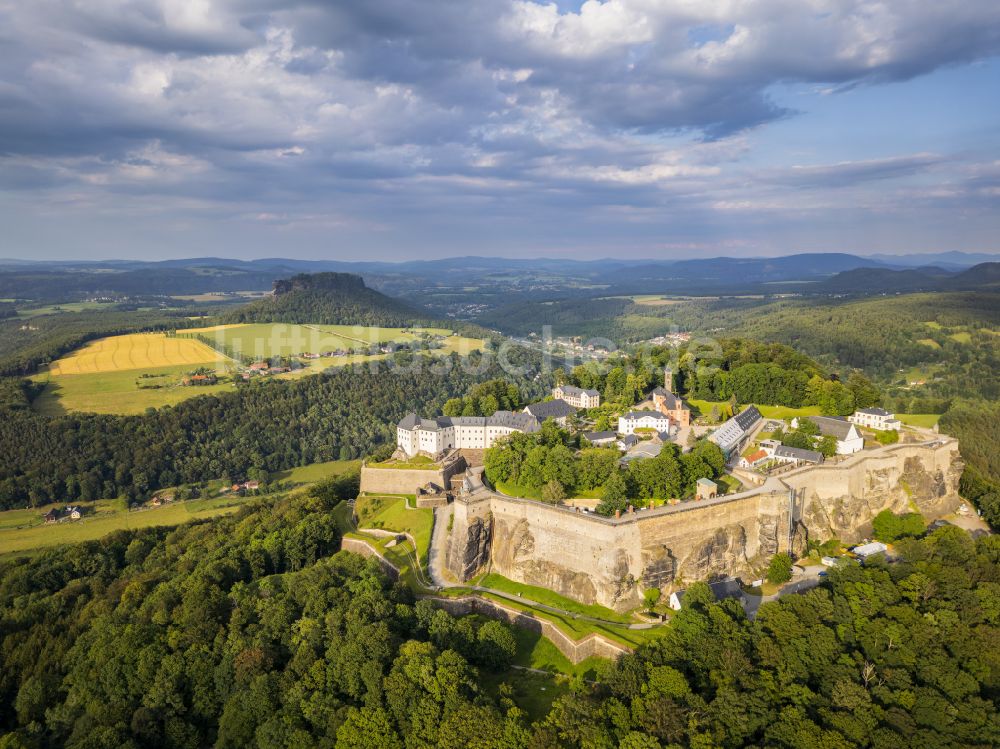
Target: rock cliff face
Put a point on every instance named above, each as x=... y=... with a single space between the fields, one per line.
x=840 y=501
x=611 y=561
x=469 y=548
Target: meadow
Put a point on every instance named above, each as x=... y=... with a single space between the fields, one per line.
x=266 y=340
x=125 y=392
x=127 y=374
x=22 y=531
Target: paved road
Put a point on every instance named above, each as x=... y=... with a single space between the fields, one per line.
x=439 y=543
x=805 y=582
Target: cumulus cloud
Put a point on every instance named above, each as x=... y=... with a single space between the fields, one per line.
x=285 y=108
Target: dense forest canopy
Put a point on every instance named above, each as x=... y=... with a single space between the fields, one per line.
x=26 y=345
x=266 y=426
x=246 y=632
x=330 y=298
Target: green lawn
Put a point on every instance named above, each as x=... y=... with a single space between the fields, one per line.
x=317 y=471
x=516 y=490
x=418 y=462
x=124 y=392
x=390 y=513
x=729 y=484
x=106 y=520
x=550 y=598
x=927 y=421
x=533 y=693
x=768 y=412
x=962 y=337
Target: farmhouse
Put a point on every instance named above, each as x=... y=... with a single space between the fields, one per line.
x=577 y=397
x=628 y=423
x=875 y=418
x=849 y=440
x=735 y=433
x=433 y=436
x=51 y=516
x=558 y=410
x=754 y=458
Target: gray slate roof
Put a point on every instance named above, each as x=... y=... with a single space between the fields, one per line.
x=874 y=411
x=573 y=390
x=554 y=409
x=641 y=414
x=798 y=453
x=838 y=427
x=599 y=436
x=522 y=421
x=671 y=400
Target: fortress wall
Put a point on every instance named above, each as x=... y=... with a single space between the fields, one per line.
x=574 y=650
x=407 y=480
x=568 y=552
x=611 y=561
x=839 y=501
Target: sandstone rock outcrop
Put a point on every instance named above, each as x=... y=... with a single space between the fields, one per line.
x=610 y=561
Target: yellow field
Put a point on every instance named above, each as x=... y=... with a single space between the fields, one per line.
x=135 y=351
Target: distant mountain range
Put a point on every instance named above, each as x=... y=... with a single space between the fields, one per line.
x=448 y=284
x=982 y=277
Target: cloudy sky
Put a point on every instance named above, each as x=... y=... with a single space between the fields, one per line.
x=419 y=128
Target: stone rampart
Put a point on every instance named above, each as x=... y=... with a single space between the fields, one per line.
x=408 y=480
x=611 y=560
x=592 y=645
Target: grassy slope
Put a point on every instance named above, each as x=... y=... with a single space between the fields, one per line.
x=317 y=471
x=550 y=598
x=25 y=540
x=390 y=513
x=119 y=392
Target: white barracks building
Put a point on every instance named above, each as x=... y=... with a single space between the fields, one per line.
x=433 y=436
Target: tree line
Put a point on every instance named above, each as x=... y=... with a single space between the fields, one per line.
x=264 y=426
x=550 y=463
x=249 y=631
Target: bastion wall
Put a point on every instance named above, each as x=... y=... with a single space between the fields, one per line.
x=610 y=561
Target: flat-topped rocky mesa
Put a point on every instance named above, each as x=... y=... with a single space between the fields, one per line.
x=610 y=561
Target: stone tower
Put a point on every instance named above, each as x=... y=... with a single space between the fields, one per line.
x=668 y=379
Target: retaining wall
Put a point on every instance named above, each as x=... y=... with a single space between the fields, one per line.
x=592 y=645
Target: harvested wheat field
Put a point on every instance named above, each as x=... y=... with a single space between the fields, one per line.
x=135 y=351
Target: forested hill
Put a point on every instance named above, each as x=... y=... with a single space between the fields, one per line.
x=326 y=298
x=246 y=632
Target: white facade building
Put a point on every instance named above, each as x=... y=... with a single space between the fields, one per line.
x=433 y=436
x=629 y=422
x=577 y=397
x=875 y=418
